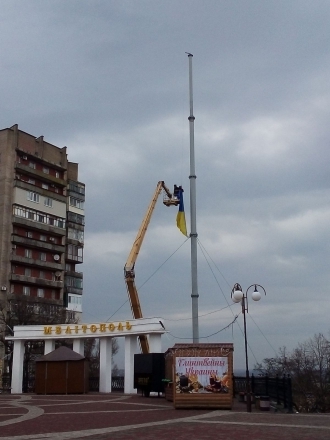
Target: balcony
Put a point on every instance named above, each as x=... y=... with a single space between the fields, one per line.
x=75 y=290
x=74 y=258
x=37 y=263
x=41 y=175
x=75 y=219
x=37 y=281
x=75 y=187
x=77 y=308
x=32 y=224
x=71 y=273
x=75 y=242
x=16 y=239
x=74 y=253
x=51 y=304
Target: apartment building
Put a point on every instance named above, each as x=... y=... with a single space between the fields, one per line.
x=41 y=224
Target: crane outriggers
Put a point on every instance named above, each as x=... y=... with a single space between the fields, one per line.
x=169 y=199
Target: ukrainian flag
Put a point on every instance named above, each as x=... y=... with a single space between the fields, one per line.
x=181 y=218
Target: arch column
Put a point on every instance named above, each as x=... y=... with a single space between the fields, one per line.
x=155 y=343
x=49 y=345
x=17 y=372
x=130 y=350
x=105 y=365
x=79 y=346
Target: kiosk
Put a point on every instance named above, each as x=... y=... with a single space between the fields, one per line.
x=200 y=375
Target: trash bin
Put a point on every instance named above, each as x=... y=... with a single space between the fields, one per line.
x=252 y=397
x=264 y=403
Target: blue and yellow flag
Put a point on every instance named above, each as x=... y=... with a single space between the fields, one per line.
x=181 y=218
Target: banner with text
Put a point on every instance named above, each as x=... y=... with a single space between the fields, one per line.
x=201 y=375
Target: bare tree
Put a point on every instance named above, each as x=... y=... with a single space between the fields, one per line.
x=92 y=354
x=309 y=368
x=25 y=311
x=275 y=366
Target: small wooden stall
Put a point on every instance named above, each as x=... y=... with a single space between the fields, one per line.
x=63 y=371
x=200 y=375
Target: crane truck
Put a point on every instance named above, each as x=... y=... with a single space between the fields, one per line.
x=169 y=199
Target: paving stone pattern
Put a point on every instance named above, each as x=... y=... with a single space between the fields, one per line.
x=118 y=416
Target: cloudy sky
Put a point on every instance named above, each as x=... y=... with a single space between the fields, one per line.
x=109 y=79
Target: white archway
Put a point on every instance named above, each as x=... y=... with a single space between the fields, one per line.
x=130 y=330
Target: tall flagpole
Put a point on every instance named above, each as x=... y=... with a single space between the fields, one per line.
x=193 y=233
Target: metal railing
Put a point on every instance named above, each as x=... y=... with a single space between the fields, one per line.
x=117 y=383
x=277 y=388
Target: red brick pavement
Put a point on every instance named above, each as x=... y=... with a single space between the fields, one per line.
x=117 y=416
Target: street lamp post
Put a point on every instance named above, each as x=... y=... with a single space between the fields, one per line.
x=238 y=295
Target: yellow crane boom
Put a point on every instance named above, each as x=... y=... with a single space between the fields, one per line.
x=169 y=200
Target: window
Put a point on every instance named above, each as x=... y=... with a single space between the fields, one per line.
x=56 y=190
x=74 y=282
x=77 y=187
x=48 y=202
x=70 y=315
x=31 y=181
x=27 y=272
x=32 y=165
x=39 y=216
x=28 y=253
x=74 y=234
x=57 y=174
x=43 y=256
x=77 y=203
x=20 y=212
x=44 y=185
x=26 y=290
x=33 y=197
x=29 y=234
x=41 y=293
x=42 y=274
x=76 y=218
x=43 y=238
x=45 y=170
x=75 y=253
x=74 y=302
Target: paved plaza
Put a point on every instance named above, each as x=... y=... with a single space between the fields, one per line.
x=121 y=416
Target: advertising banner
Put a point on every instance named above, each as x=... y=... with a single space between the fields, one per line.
x=201 y=375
